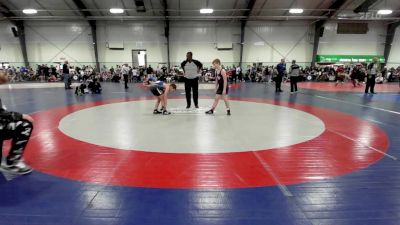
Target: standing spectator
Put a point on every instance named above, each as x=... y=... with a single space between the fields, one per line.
x=294 y=76
x=340 y=75
x=191 y=69
x=149 y=70
x=46 y=72
x=164 y=70
x=118 y=71
x=141 y=73
x=130 y=78
x=125 y=73
x=355 y=75
x=234 y=75
x=281 y=68
x=239 y=73
x=65 y=70
x=266 y=73
x=135 y=74
x=372 y=71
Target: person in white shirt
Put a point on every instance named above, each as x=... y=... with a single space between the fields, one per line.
x=135 y=75
x=191 y=69
x=294 y=76
x=125 y=73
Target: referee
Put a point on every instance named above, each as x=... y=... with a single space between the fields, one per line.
x=191 y=69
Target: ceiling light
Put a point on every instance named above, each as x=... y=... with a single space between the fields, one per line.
x=29 y=11
x=385 y=12
x=206 y=11
x=116 y=10
x=296 y=11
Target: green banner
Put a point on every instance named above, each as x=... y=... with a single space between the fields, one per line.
x=348 y=58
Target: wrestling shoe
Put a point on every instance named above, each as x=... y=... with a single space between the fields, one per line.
x=210 y=112
x=19 y=168
x=156 y=112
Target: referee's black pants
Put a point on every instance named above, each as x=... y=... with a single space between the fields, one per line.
x=192 y=84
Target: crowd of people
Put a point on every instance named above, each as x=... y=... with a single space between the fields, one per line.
x=356 y=73
x=319 y=73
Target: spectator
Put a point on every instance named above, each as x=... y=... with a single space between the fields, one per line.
x=125 y=73
x=281 y=68
x=372 y=72
x=67 y=79
x=294 y=75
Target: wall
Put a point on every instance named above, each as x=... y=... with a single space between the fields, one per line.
x=10 y=50
x=266 y=42
x=269 y=42
x=371 y=43
x=134 y=35
x=201 y=38
x=49 y=42
x=394 y=58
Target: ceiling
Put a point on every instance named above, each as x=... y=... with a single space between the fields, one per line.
x=189 y=10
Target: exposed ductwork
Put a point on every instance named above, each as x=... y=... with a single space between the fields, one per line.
x=364 y=7
x=140 y=7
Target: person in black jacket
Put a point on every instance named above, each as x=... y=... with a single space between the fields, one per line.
x=17 y=127
x=191 y=69
x=281 y=69
x=67 y=78
x=95 y=86
x=372 y=72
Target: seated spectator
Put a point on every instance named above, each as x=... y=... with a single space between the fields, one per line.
x=116 y=78
x=52 y=78
x=80 y=90
x=95 y=87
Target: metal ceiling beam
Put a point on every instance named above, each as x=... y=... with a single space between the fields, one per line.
x=196 y=18
x=152 y=7
x=250 y=6
x=69 y=6
x=126 y=12
x=319 y=27
x=186 y=18
x=234 y=10
x=83 y=9
x=291 y=6
x=140 y=6
x=97 y=7
x=320 y=4
x=390 y=33
x=42 y=6
x=364 y=7
x=262 y=7
x=5 y=11
x=234 y=7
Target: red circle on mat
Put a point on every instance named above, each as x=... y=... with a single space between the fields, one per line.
x=347 y=144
